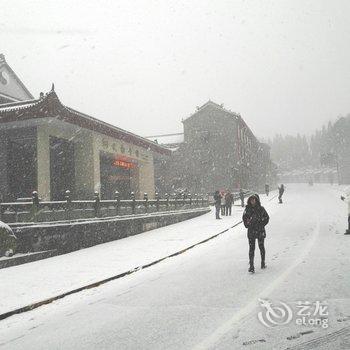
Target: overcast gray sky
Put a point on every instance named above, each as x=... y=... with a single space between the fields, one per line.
x=145 y=65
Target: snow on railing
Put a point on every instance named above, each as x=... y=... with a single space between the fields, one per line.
x=36 y=210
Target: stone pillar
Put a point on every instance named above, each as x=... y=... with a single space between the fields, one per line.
x=84 y=168
x=135 y=185
x=96 y=166
x=146 y=178
x=43 y=162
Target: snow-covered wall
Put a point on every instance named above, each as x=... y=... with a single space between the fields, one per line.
x=70 y=236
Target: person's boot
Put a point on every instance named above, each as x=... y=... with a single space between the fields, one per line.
x=251 y=265
x=347 y=232
x=263 y=265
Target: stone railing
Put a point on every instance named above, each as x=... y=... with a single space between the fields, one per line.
x=35 y=210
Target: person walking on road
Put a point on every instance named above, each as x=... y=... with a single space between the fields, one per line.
x=229 y=203
x=346 y=199
x=267 y=189
x=223 y=204
x=241 y=197
x=217 y=199
x=255 y=218
x=280 y=193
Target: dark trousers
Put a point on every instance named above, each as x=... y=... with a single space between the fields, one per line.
x=223 y=210
x=280 y=198
x=228 y=209
x=217 y=211
x=252 y=250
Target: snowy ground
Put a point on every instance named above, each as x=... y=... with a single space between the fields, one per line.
x=29 y=283
x=202 y=299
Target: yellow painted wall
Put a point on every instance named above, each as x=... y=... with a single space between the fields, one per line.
x=88 y=146
x=144 y=174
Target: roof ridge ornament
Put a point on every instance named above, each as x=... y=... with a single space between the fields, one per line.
x=53 y=87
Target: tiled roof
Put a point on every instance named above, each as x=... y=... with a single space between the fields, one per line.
x=220 y=107
x=16 y=106
x=168 y=139
x=214 y=105
x=50 y=106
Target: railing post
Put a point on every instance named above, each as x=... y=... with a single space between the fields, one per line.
x=175 y=200
x=183 y=199
x=35 y=208
x=133 y=203
x=1 y=209
x=157 y=201
x=145 y=198
x=97 y=204
x=117 y=199
x=196 y=200
x=68 y=204
x=167 y=201
x=202 y=201
x=190 y=197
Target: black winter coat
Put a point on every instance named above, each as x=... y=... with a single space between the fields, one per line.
x=217 y=198
x=229 y=199
x=255 y=219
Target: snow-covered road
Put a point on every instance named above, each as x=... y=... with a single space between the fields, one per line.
x=205 y=298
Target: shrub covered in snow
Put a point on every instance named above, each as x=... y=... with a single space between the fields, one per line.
x=8 y=240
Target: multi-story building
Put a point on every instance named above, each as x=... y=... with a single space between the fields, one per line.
x=219 y=151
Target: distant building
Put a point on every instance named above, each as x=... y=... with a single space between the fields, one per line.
x=49 y=147
x=309 y=174
x=219 y=151
x=171 y=141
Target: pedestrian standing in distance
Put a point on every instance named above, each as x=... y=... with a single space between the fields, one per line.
x=229 y=203
x=217 y=199
x=280 y=193
x=223 y=204
x=346 y=199
x=241 y=197
x=267 y=189
x=255 y=218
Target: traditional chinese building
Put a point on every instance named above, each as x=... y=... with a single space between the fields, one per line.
x=49 y=147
